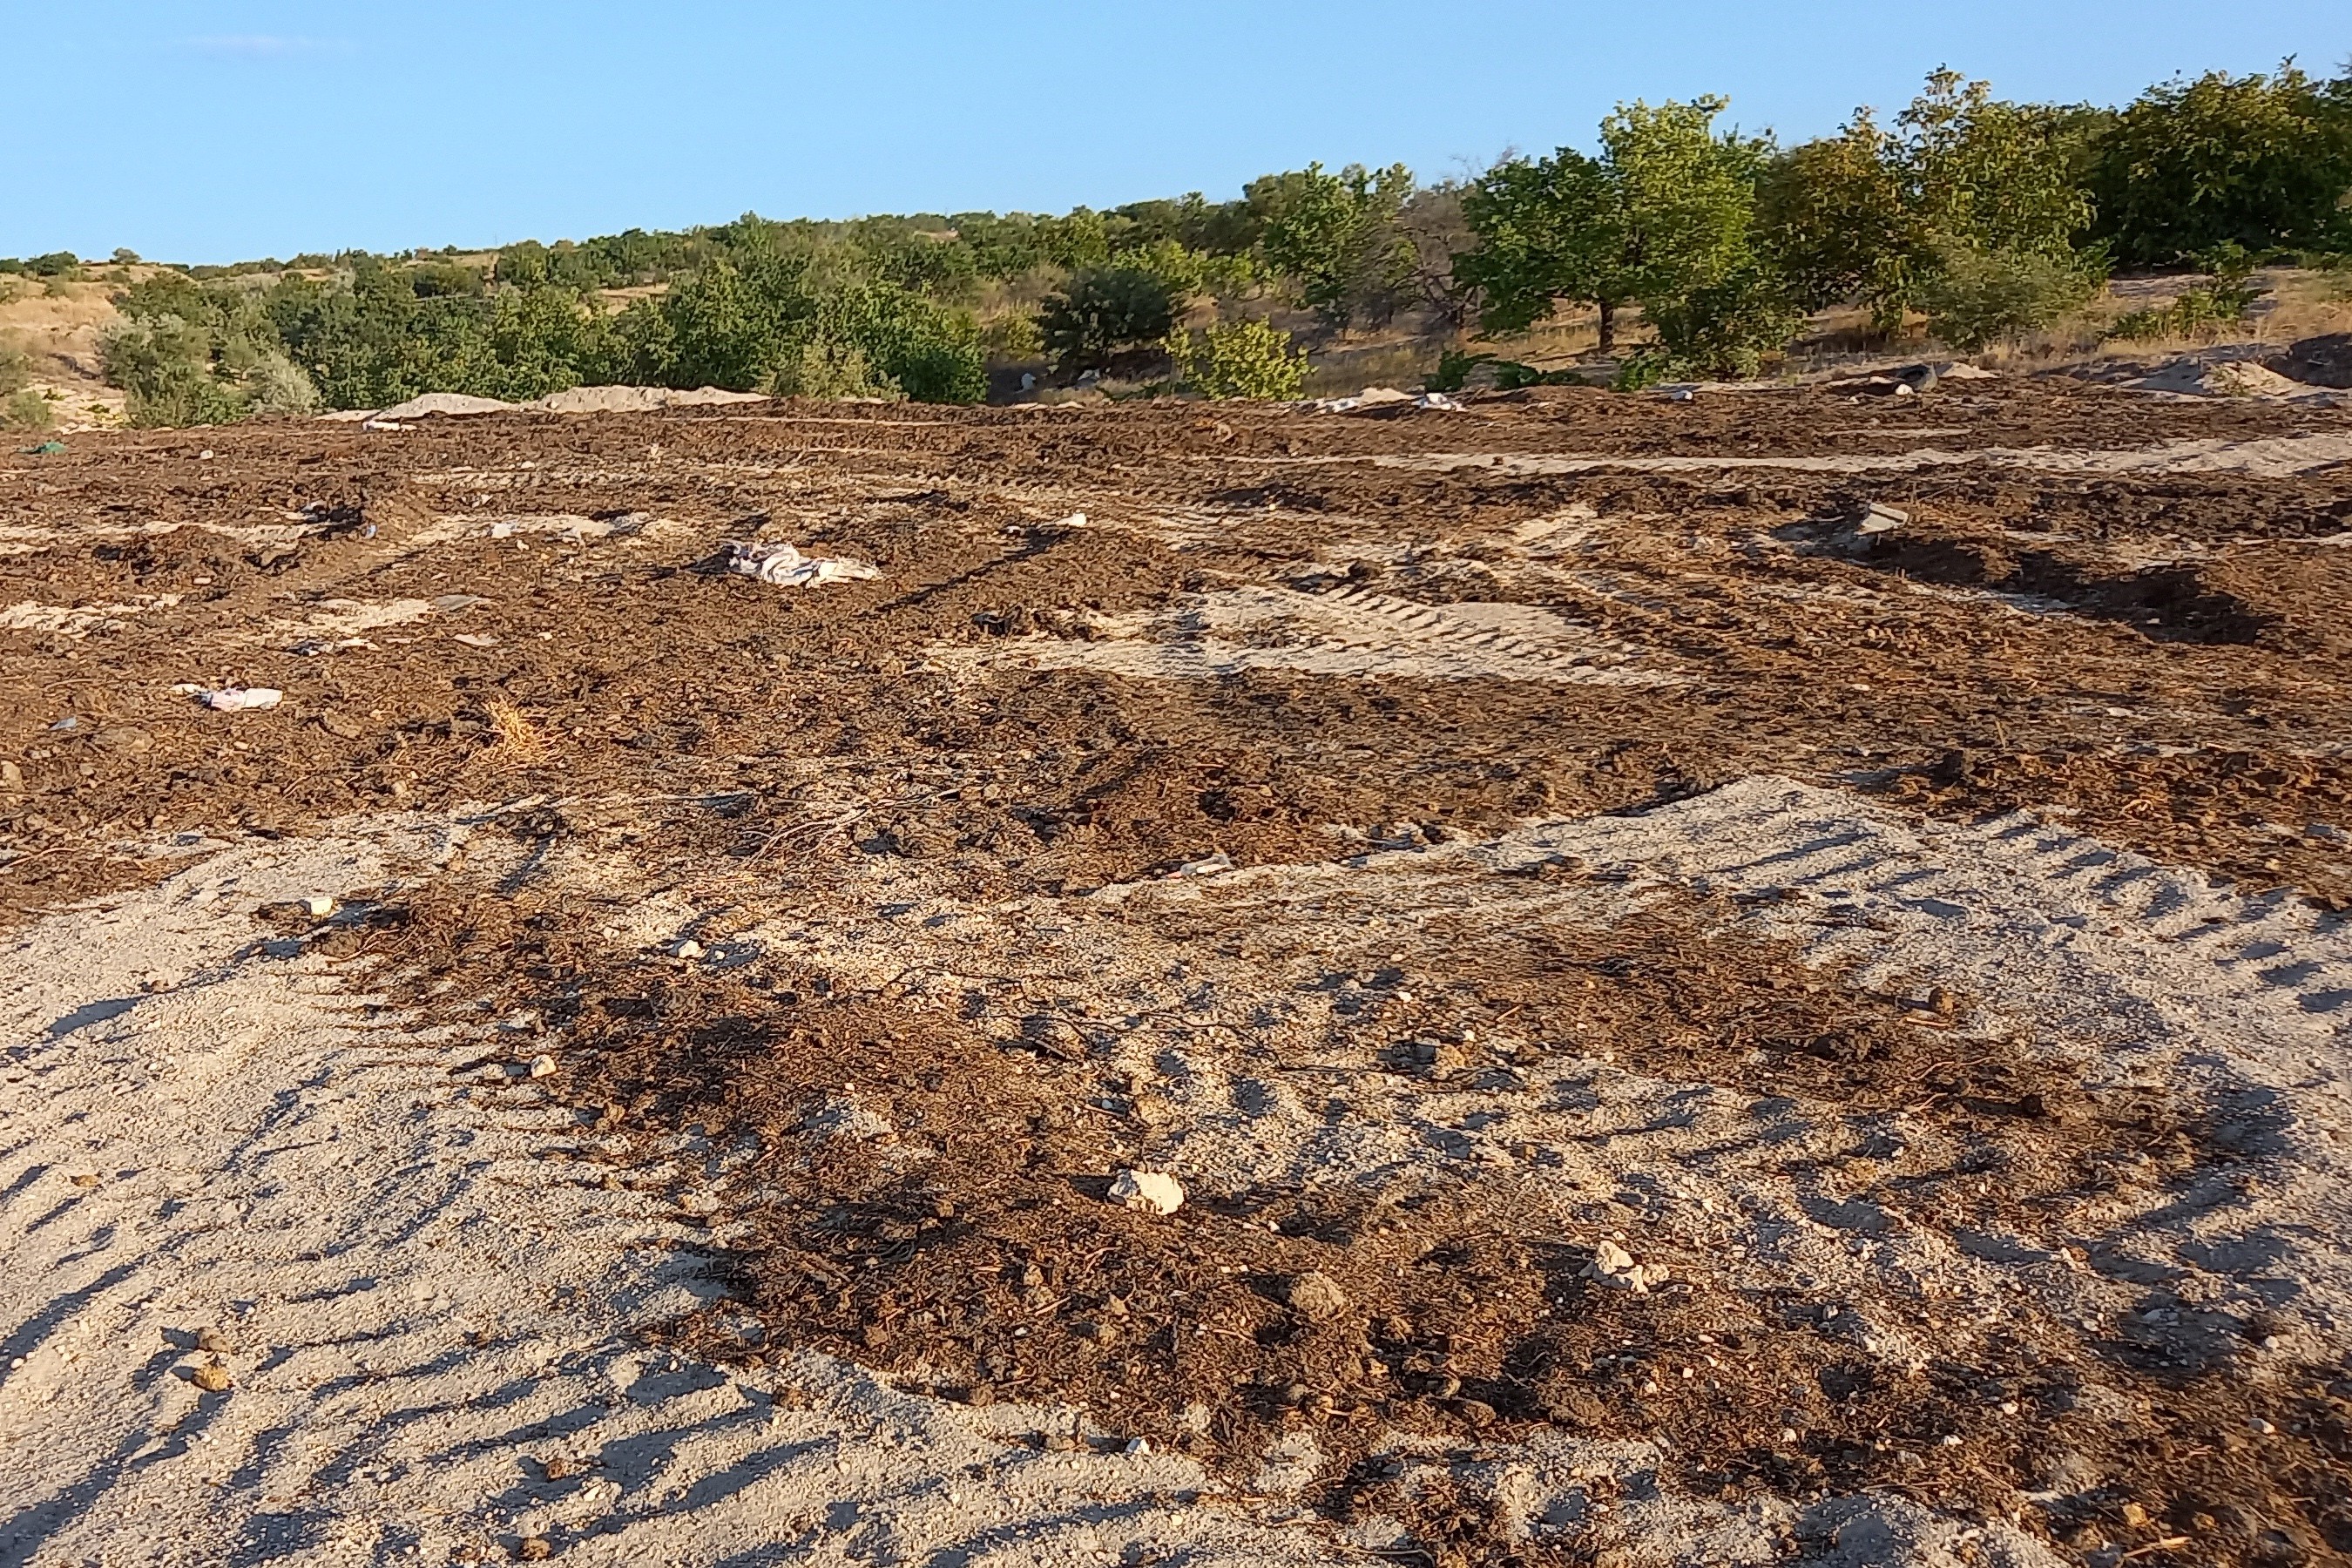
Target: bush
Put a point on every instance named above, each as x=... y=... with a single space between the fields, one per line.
x=1980 y=297
x=26 y=409
x=1727 y=327
x=1102 y=313
x=1250 y=360
x=2220 y=305
x=2255 y=161
x=1014 y=338
x=166 y=364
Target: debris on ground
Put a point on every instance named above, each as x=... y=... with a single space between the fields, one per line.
x=784 y=566
x=235 y=698
x=1153 y=1192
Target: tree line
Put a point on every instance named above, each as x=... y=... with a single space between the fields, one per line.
x=1986 y=216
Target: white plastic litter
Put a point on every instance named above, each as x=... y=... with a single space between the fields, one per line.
x=1437 y=400
x=238 y=698
x=786 y=567
x=1153 y=1191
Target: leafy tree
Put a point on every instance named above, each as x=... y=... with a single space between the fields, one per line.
x=1837 y=218
x=1334 y=236
x=1967 y=180
x=1106 y=312
x=1662 y=217
x=1247 y=359
x=2257 y=160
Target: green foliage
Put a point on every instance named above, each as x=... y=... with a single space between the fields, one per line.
x=1975 y=297
x=1664 y=216
x=796 y=325
x=1106 y=312
x=57 y=264
x=1454 y=370
x=189 y=353
x=2221 y=304
x=1334 y=237
x=26 y=409
x=1014 y=338
x=1247 y=359
x=2257 y=160
x=1874 y=215
x=1728 y=327
x=391 y=332
x=166 y=366
x=1838 y=219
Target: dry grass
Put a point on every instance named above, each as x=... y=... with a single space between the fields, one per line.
x=519 y=744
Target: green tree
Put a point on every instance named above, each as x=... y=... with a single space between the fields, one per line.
x=1335 y=238
x=2256 y=161
x=1836 y=217
x=1663 y=216
x=1106 y=312
x=1969 y=181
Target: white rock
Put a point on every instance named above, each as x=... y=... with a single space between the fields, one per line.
x=543 y=1066
x=1137 y=1449
x=1611 y=1258
x=319 y=906
x=1153 y=1191
x=689 y=948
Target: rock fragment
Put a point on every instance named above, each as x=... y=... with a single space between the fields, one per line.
x=1315 y=1296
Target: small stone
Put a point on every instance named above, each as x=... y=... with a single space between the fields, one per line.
x=12 y=777
x=689 y=949
x=1315 y=1296
x=543 y=1066
x=1153 y=1192
x=319 y=906
x=212 y=1340
x=559 y=1468
x=1137 y=1449
x=212 y=1377
x=2261 y=1427
x=87 y=1179
x=1611 y=1258
x=533 y=1549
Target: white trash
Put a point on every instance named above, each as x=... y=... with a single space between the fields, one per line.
x=786 y=567
x=1150 y=1191
x=236 y=698
x=1438 y=400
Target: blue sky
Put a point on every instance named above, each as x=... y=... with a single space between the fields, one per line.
x=208 y=132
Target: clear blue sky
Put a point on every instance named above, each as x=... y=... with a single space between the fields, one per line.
x=213 y=131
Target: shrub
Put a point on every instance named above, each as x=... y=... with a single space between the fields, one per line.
x=26 y=409
x=1251 y=359
x=1102 y=313
x=1013 y=338
x=166 y=364
x=1978 y=297
x=1727 y=327
x=2221 y=304
x=2255 y=161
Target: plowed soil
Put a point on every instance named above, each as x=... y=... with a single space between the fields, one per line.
x=1697 y=1021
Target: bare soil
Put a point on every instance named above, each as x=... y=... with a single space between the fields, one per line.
x=1138 y=756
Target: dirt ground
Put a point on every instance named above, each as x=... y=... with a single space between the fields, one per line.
x=1697 y=1021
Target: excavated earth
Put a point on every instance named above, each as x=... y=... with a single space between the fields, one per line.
x=1697 y=1022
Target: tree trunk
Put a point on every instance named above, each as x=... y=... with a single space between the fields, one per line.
x=1608 y=325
